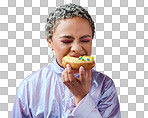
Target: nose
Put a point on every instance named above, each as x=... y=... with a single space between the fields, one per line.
x=76 y=47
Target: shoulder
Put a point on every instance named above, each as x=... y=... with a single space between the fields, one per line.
x=104 y=82
x=39 y=74
x=35 y=78
x=108 y=103
x=101 y=78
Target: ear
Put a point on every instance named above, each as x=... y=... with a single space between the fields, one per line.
x=49 y=42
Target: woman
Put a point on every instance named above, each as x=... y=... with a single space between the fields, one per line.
x=55 y=92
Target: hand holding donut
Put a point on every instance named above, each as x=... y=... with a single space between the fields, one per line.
x=79 y=87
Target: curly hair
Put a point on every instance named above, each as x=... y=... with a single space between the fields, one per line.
x=64 y=12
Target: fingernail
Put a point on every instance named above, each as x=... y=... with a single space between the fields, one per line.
x=81 y=68
x=68 y=66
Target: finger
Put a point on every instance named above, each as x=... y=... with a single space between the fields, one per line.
x=70 y=73
x=66 y=75
x=88 y=73
x=64 y=79
x=82 y=73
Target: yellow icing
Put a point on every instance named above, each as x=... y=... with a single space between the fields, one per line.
x=75 y=59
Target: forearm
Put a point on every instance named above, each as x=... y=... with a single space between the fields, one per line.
x=85 y=109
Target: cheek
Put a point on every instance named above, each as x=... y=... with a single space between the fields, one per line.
x=88 y=48
x=61 y=50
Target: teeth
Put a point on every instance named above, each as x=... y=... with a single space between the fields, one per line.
x=76 y=56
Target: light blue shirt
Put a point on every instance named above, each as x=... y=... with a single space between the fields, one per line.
x=43 y=95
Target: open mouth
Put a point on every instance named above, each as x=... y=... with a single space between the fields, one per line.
x=76 y=55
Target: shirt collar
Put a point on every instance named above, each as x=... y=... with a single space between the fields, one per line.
x=56 y=68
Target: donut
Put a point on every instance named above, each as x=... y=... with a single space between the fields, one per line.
x=86 y=61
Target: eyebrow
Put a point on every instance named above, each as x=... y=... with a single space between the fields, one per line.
x=85 y=36
x=67 y=36
x=70 y=37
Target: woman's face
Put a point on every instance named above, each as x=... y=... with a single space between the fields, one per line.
x=72 y=36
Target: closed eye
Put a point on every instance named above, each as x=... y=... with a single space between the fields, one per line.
x=85 y=40
x=66 y=41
